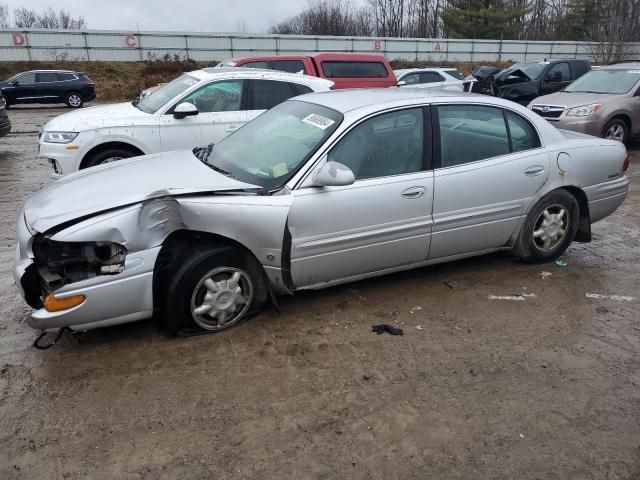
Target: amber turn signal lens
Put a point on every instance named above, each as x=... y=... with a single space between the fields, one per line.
x=72 y=147
x=53 y=304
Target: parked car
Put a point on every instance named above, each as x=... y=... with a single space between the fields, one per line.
x=430 y=77
x=524 y=81
x=5 y=122
x=321 y=190
x=605 y=102
x=346 y=70
x=48 y=86
x=195 y=109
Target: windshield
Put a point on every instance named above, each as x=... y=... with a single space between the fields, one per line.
x=269 y=150
x=155 y=100
x=533 y=70
x=614 y=81
x=11 y=79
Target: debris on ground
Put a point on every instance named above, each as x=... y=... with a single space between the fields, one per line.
x=382 y=328
x=545 y=274
x=419 y=327
x=617 y=298
x=561 y=263
x=516 y=297
x=448 y=285
x=416 y=309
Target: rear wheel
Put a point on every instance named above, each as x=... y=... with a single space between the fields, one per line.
x=549 y=228
x=616 y=129
x=74 y=100
x=107 y=156
x=212 y=290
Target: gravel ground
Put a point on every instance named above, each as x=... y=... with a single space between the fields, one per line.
x=546 y=388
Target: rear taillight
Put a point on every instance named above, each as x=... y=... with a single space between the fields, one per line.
x=625 y=165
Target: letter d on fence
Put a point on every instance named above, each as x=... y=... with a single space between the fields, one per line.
x=18 y=39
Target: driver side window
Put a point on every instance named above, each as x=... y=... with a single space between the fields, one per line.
x=385 y=145
x=27 y=78
x=223 y=96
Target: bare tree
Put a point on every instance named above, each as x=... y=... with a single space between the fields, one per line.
x=27 y=18
x=616 y=26
x=4 y=16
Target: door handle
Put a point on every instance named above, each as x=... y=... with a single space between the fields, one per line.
x=413 y=192
x=534 y=170
x=232 y=128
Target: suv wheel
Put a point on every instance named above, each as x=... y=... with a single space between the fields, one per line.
x=616 y=129
x=107 y=156
x=7 y=103
x=74 y=100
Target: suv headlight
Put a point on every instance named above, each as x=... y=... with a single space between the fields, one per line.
x=584 y=110
x=59 y=137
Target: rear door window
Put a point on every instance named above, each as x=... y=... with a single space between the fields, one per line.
x=291 y=66
x=469 y=133
x=66 y=77
x=266 y=94
x=46 y=77
x=255 y=65
x=431 y=77
x=523 y=135
x=579 y=69
x=411 y=79
x=301 y=89
x=455 y=74
x=560 y=72
x=354 y=70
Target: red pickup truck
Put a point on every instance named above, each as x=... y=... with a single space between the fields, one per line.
x=346 y=70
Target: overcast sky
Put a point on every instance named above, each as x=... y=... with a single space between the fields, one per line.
x=182 y=15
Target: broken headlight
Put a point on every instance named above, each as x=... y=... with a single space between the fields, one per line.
x=61 y=263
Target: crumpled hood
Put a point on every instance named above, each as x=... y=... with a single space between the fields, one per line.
x=118 y=114
x=569 y=99
x=123 y=183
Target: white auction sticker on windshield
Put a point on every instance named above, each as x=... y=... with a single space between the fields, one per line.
x=318 y=121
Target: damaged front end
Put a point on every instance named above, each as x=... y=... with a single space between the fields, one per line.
x=63 y=263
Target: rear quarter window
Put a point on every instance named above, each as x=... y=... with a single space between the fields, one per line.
x=354 y=70
x=455 y=74
x=291 y=66
x=66 y=77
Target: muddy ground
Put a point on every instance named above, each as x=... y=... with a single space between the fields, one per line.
x=545 y=388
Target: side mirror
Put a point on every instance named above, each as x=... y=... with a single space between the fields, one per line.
x=401 y=83
x=333 y=174
x=15 y=82
x=546 y=79
x=185 y=109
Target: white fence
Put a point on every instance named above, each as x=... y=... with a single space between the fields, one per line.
x=110 y=45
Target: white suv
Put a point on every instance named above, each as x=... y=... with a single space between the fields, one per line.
x=446 y=78
x=195 y=109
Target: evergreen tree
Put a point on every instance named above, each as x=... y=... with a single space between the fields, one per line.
x=490 y=19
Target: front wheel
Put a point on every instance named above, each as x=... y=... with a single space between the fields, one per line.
x=74 y=100
x=549 y=228
x=616 y=129
x=214 y=289
x=6 y=101
x=107 y=156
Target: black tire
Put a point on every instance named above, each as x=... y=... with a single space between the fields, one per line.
x=7 y=102
x=531 y=248
x=107 y=156
x=185 y=289
x=616 y=129
x=74 y=100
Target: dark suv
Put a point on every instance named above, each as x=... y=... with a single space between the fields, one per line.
x=48 y=86
x=524 y=81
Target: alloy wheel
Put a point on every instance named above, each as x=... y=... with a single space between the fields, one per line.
x=221 y=298
x=551 y=228
x=615 y=132
x=75 y=100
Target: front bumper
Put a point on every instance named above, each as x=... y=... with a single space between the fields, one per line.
x=64 y=158
x=110 y=299
x=578 y=124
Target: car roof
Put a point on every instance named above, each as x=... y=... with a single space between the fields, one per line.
x=211 y=73
x=347 y=100
x=51 y=71
x=336 y=56
x=402 y=71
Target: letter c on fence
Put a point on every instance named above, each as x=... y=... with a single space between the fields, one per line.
x=377 y=45
x=130 y=41
x=18 y=40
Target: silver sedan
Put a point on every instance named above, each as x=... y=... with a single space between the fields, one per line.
x=321 y=190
